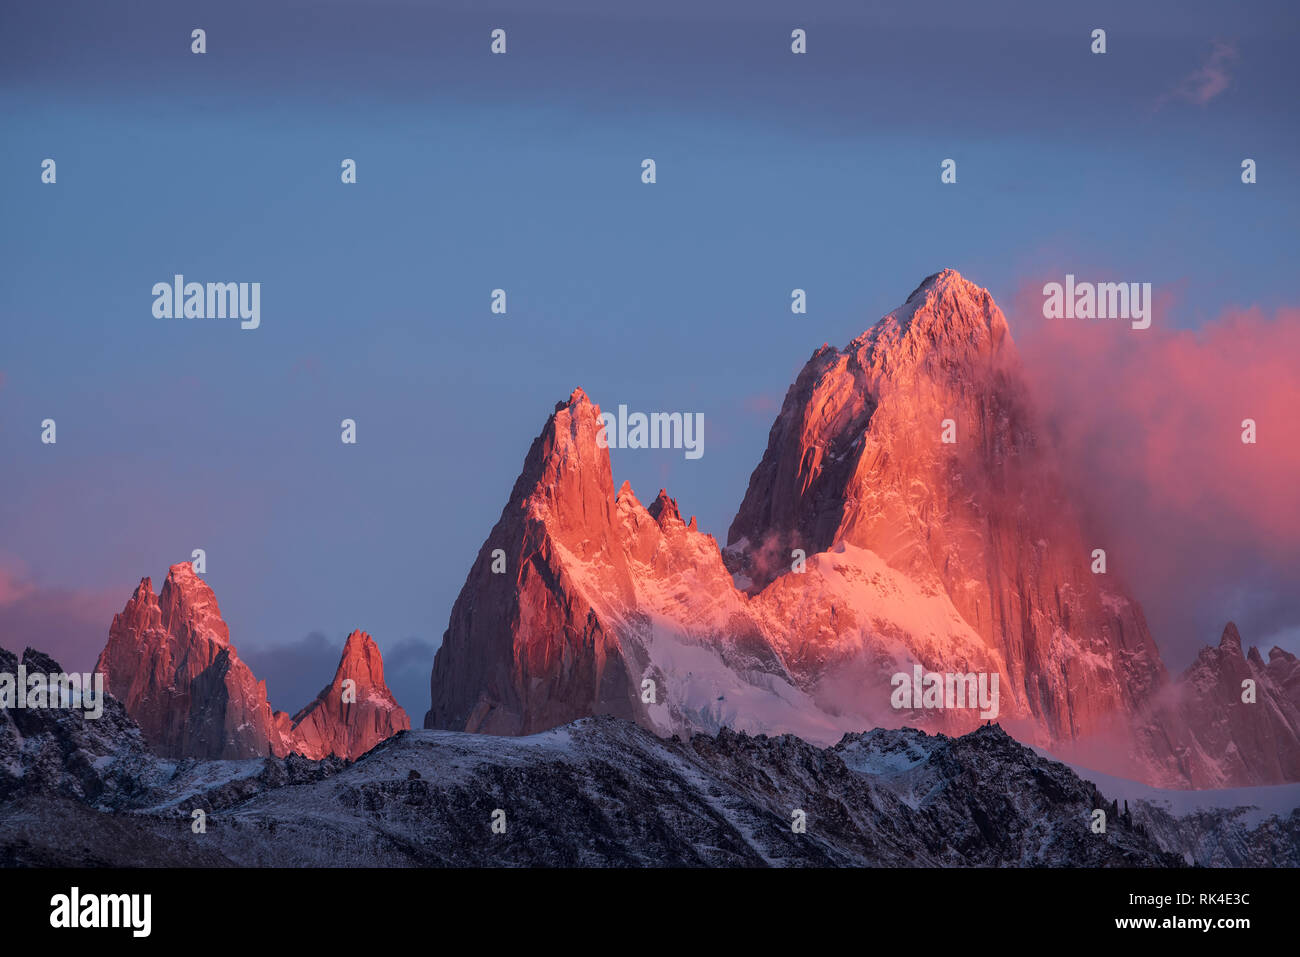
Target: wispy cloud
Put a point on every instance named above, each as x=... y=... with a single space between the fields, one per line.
x=1202 y=85
x=1204 y=526
x=69 y=624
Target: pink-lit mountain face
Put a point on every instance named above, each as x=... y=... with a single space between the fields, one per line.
x=348 y=720
x=170 y=662
x=908 y=473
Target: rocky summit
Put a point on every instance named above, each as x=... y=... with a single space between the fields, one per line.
x=170 y=661
x=908 y=513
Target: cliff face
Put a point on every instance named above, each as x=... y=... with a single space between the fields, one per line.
x=1233 y=718
x=169 y=660
x=917 y=442
x=905 y=514
x=355 y=711
x=527 y=648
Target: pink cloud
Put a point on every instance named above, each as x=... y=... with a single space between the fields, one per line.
x=13 y=583
x=1202 y=85
x=69 y=624
x=1149 y=427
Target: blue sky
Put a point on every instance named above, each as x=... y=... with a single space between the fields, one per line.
x=523 y=172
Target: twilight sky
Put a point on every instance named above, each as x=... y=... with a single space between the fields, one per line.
x=522 y=171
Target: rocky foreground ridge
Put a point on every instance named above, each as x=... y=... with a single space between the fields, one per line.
x=595 y=792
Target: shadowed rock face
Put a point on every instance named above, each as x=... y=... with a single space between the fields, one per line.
x=60 y=751
x=531 y=626
x=596 y=792
x=170 y=662
x=1226 y=739
x=929 y=523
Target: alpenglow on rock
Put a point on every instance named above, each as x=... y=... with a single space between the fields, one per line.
x=348 y=720
x=170 y=662
x=909 y=471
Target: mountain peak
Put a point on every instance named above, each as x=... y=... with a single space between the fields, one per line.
x=1231 y=640
x=578 y=397
x=664 y=509
x=566 y=479
x=929 y=527
x=361 y=659
x=348 y=722
x=188 y=603
x=183 y=573
x=170 y=662
x=946 y=313
x=946 y=281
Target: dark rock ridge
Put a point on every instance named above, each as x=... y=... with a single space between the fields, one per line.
x=595 y=792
